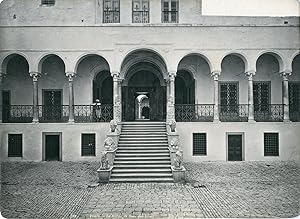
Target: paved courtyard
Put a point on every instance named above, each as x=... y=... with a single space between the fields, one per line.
x=213 y=189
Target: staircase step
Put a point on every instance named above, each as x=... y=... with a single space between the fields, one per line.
x=142 y=166
x=159 y=154
x=133 y=151
x=146 y=159
x=143 y=149
x=143 y=175
x=141 y=170
x=143 y=143
x=122 y=135
x=134 y=162
x=139 y=180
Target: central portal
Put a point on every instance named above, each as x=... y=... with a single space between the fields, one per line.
x=144 y=97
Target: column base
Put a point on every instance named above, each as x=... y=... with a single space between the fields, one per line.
x=35 y=121
x=251 y=121
x=287 y=121
x=216 y=121
x=71 y=121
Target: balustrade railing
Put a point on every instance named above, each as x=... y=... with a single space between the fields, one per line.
x=17 y=113
x=53 y=113
x=268 y=113
x=234 y=113
x=93 y=113
x=194 y=112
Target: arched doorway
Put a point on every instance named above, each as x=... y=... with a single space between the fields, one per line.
x=184 y=88
x=153 y=107
x=102 y=88
x=144 y=72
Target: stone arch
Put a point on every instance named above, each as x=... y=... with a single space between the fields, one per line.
x=146 y=56
x=45 y=57
x=201 y=55
x=242 y=56
x=86 y=55
x=277 y=55
x=9 y=56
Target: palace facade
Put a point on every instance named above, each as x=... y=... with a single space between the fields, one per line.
x=69 y=67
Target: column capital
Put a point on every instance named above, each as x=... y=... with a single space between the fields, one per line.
x=115 y=74
x=70 y=76
x=172 y=73
x=216 y=75
x=250 y=74
x=285 y=74
x=2 y=74
x=35 y=75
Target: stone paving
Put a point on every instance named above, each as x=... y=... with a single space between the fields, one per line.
x=213 y=189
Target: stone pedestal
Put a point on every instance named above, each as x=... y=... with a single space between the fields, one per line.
x=104 y=175
x=115 y=136
x=172 y=155
x=178 y=174
x=111 y=156
x=172 y=135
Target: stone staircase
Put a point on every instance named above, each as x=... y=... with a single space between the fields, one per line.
x=142 y=154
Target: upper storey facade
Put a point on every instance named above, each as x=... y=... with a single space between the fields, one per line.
x=140 y=12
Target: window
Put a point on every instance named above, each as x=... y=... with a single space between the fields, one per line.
x=48 y=2
x=261 y=96
x=199 y=143
x=294 y=101
x=140 y=11
x=271 y=144
x=229 y=96
x=88 y=143
x=111 y=11
x=169 y=11
x=15 y=145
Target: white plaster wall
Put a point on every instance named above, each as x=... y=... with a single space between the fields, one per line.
x=71 y=139
x=289 y=140
x=251 y=8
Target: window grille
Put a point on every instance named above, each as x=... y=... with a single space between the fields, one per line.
x=229 y=96
x=261 y=96
x=271 y=144
x=294 y=101
x=140 y=11
x=169 y=11
x=199 y=144
x=48 y=2
x=14 y=145
x=88 y=143
x=111 y=11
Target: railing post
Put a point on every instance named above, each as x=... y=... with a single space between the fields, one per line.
x=250 y=75
x=216 y=75
x=285 y=95
x=171 y=97
x=35 y=76
x=71 y=76
x=2 y=75
x=116 y=97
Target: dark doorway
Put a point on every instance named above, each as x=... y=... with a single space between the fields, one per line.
x=52 y=105
x=103 y=88
x=52 y=147
x=235 y=147
x=5 y=105
x=144 y=82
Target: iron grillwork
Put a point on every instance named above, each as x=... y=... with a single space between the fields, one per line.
x=53 y=113
x=270 y=113
x=170 y=16
x=111 y=15
x=234 y=113
x=140 y=16
x=17 y=113
x=194 y=112
x=92 y=113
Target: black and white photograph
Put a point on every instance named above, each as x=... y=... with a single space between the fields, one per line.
x=149 y=109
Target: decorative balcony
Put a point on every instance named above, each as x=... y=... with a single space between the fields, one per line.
x=194 y=112
x=17 y=113
x=234 y=113
x=268 y=113
x=53 y=113
x=92 y=113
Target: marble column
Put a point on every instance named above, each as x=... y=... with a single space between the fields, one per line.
x=2 y=75
x=171 y=97
x=35 y=76
x=71 y=76
x=116 y=98
x=216 y=75
x=285 y=95
x=250 y=75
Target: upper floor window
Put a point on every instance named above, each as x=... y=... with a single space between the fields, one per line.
x=140 y=11
x=48 y=2
x=111 y=11
x=169 y=11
